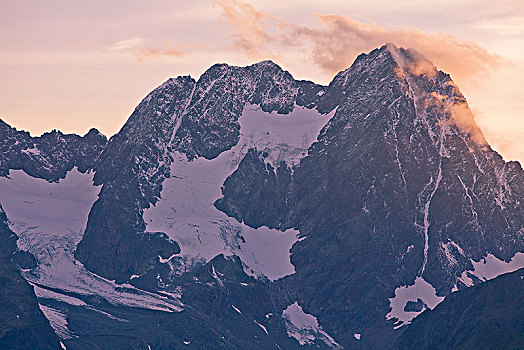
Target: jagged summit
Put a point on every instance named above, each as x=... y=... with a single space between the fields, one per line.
x=6 y=128
x=418 y=72
x=282 y=89
x=427 y=86
x=264 y=64
x=410 y=60
x=93 y=132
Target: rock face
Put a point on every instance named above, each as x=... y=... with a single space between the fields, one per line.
x=245 y=184
x=381 y=183
x=7 y=238
x=22 y=324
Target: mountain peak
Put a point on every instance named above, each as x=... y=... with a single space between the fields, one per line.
x=411 y=61
x=434 y=89
x=431 y=90
x=267 y=64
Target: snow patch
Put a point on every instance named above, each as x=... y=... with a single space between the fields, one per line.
x=48 y=294
x=163 y=261
x=284 y=137
x=186 y=210
x=187 y=214
x=58 y=321
x=261 y=326
x=357 y=336
x=31 y=151
x=305 y=328
x=236 y=309
x=108 y=315
x=490 y=267
x=49 y=219
x=448 y=253
x=48 y=207
x=422 y=290
x=426 y=216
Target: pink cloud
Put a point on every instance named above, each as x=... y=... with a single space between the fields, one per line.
x=141 y=50
x=333 y=41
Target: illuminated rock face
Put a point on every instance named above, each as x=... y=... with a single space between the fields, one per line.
x=264 y=212
x=22 y=324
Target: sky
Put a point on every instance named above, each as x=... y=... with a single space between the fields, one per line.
x=72 y=65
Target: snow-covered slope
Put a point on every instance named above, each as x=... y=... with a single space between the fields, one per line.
x=50 y=208
x=305 y=328
x=186 y=210
x=49 y=219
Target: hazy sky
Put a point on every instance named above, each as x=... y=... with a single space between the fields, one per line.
x=72 y=65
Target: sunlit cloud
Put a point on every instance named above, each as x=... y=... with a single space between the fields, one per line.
x=142 y=51
x=249 y=34
x=459 y=114
x=127 y=44
x=333 y=41
x=168 y=50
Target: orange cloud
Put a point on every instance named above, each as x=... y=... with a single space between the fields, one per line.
x=81 y=43
x=251 y=27
x=127 y=44
x=138 y=47
x=334 y=41
x=413 y=63
x=459 y=113
x=153 y=51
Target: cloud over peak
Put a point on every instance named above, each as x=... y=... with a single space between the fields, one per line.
x=333 y=41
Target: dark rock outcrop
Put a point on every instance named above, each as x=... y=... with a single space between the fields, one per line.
x=486 y=316
x=22 y=323
x=257 y=179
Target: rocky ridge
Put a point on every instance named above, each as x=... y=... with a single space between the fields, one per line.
x=49 y=156
x=22 y=323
